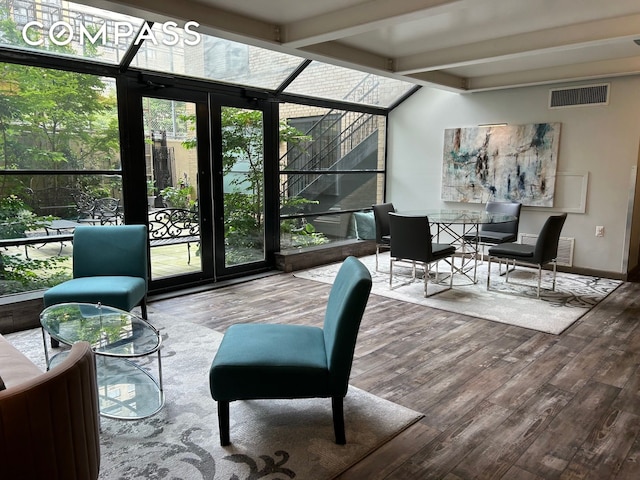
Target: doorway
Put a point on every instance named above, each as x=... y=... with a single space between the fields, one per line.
x=210 y=191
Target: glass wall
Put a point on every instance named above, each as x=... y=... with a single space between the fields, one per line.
x=332 y=165
x=59 y=168
x=60 y=163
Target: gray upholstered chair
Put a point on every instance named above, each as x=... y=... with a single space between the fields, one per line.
x=49 y=425
x=274 y=361
x=383 y=234
x=411 y=241
x=110 y=266
x=543 y=252
x=497 y=233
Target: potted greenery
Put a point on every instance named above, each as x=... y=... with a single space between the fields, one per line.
x=178 y=196
x=151 y=193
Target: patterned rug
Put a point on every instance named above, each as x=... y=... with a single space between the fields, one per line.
x=513 y=303
x=270 y=439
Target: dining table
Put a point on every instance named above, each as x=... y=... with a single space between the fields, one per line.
x=457 y=225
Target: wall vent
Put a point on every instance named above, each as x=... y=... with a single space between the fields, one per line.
x=579 y=96
x=565 y=247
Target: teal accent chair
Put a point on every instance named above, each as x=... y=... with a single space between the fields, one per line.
x=275 y=361
x=110 y=266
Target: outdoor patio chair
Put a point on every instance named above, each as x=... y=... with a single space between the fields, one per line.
x=275 y=361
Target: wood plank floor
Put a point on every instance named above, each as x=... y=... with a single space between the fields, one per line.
x=499 y=402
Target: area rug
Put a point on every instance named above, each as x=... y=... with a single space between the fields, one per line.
x=270 y=439
x=513 y=303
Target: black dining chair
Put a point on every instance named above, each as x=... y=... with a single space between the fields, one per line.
x=543 y=252
x=500 y=232
x=383 y=236
x=411 y=241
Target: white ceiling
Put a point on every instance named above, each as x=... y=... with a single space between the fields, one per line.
x=461 y=45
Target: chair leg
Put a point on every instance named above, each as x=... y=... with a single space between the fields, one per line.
x=554 y=275
x=338 y=420
x=539 y=278
x=223 y=422
x=377 y=253
x=143 y=308
x=489 y=270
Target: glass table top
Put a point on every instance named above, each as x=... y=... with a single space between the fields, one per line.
x=453 y=216
x=110 y=331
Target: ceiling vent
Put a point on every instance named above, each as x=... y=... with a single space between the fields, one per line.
x=579 y=96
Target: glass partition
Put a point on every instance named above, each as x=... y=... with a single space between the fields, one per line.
x=204 y=56
x=331 y=168
x=321 y=80
x=67 y=29
x=59 y=168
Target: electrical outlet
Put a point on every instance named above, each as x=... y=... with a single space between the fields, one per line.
x=599 y=231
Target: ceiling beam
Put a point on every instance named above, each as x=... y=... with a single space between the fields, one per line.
x=566 y=73
x=515 y=46
x=360 y=18
x=212 y=20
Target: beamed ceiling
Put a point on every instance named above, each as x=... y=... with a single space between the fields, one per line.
x=460 y=45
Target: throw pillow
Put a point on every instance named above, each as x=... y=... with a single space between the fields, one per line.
x=2 y=387
x=365 y=225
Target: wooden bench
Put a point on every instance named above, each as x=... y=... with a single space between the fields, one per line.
x=172 y=226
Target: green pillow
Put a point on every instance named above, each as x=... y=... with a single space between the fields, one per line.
x=365 y=227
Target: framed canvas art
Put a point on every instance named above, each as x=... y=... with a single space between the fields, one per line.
x=501 y=163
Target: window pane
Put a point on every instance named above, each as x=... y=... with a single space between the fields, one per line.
x=332 y=164
x=63 y=126
x=216 y=59
x=57 y=120
x=36 y=210
x=321 y=80
x=67 y=29
x=172 y=189
x=243 y=184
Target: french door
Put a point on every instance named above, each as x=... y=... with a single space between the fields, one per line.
x=244 y=208
x=205 y=189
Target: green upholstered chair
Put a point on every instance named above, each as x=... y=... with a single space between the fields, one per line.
x=110 y=266
x=276 y=361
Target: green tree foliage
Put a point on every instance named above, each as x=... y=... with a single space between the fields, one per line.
x=53 y=119
x=49 y=120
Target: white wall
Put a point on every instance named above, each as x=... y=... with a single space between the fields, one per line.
x=600 y=140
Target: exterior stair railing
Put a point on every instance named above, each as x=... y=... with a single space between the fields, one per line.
x=322 y=155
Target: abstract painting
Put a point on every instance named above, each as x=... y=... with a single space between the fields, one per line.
x=501 y=163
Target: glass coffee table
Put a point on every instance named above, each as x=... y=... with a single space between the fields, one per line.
x=125 y=389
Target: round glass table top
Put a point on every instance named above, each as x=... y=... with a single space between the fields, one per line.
x=453 y=216
x=110 y=331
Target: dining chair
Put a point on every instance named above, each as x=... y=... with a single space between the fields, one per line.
x=282 y=361
x=411 y=241
x=500 y=232
x=383 y=236
x=543 y=252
